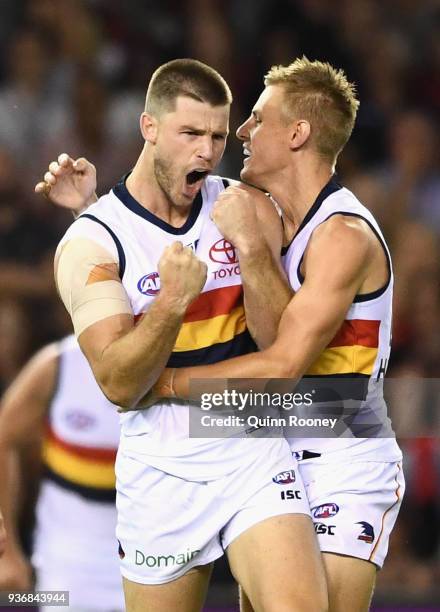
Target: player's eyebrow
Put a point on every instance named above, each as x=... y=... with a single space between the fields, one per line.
x=200 y=132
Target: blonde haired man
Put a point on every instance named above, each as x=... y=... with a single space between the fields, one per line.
x=337 y=326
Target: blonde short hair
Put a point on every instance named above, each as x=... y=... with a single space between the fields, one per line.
x=322 y=95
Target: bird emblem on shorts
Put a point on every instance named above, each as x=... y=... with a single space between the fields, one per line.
x=367 y=533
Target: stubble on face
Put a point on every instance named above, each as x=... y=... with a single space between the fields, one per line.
x=164 y=177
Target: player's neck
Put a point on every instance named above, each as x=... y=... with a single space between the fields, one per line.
x=298 y=189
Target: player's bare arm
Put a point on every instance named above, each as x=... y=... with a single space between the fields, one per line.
x=69 y=183
x=338 y=264
x=248 y=219
x=22 y=419
x=126 y=359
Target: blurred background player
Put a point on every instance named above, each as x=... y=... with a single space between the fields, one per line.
x=57 y=426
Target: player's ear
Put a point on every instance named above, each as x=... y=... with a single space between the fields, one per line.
x=148 y=125
x=300 y=133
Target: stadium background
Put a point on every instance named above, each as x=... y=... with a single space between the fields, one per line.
x=73 y=77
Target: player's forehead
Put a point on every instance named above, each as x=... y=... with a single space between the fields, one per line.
x=269 y=101
x=200 y=115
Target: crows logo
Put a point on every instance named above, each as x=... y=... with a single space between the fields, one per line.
x=367 y=533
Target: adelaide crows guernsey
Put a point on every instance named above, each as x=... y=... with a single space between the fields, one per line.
x=354 y=363
x=75 y=512
x=214 y=326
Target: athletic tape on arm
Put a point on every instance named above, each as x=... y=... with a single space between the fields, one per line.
x=87 y=279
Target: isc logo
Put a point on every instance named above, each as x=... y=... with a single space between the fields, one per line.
x=290 y=494
x=322 y=529
x=149 y=284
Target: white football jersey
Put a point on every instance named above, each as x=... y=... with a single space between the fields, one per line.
x=214 y=327
x=355 y=361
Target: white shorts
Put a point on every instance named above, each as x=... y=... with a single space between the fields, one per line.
x=354 y=505
x=167 y=525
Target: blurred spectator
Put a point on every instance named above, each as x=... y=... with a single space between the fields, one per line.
x=29 y=106
x=92 y=129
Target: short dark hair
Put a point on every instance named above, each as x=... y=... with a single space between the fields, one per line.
x=185 y=77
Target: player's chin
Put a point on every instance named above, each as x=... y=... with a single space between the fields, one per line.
x=245 y=173
x=249 y=177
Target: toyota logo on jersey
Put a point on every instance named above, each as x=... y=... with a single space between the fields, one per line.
x=223 y=252
x=149 y=284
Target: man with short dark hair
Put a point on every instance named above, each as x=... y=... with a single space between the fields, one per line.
x=181 y=501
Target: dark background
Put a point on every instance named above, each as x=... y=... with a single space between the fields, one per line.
x=73 y=76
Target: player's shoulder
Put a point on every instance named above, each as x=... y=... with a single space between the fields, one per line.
x=93 y=221
x=102 y=207
x=342 y=237
x=345 y=201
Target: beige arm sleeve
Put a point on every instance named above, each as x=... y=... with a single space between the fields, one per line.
x=86 y=276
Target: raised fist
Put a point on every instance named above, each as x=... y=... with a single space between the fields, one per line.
x=182 y=274
x=235 y=214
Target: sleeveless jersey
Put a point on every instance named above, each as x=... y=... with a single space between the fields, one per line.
x=214 y=326
x=356 y=359
x=75 y=513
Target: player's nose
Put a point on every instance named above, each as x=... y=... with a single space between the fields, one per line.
x=205 y=149
x=243 y=130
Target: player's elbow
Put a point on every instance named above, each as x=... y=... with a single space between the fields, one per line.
x=120 y=396
x=118 y=392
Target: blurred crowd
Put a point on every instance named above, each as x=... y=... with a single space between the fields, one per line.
x=73 y=77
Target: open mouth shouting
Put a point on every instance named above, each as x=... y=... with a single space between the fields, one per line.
x=194 y=180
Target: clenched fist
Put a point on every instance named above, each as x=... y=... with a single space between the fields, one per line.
x=182 y=274
x=235 y=214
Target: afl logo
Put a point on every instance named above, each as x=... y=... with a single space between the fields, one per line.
x=79 y=420
x=286 y=477
x=325 y=510
x=223 y=252
x=149 y=284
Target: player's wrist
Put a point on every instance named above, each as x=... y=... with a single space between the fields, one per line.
x=164 y=386
x=254 y=248
x=174 y=303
